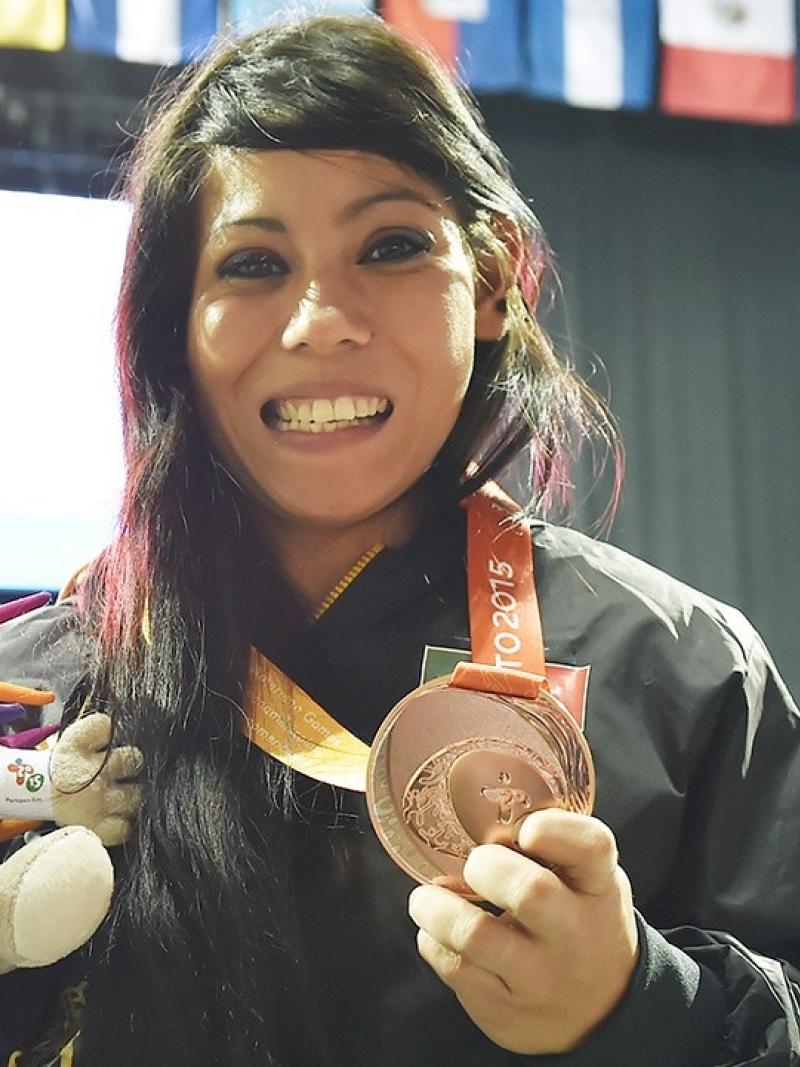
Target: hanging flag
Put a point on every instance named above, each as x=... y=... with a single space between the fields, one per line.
x=729 y=59
x=480 y=39
x=593 y=53
x=39 y=24
x=143 y=31
x=243 y=16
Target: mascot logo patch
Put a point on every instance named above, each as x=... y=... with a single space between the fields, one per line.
x=26 y=775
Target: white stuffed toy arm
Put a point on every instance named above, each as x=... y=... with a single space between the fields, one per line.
x=92 y=785
x=54 y=893
x=56 y=889
x=79 y=782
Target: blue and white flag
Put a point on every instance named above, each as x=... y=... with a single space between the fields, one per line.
x=247 y=15
x=490 y=48
x=593 y=53
x=143 y=31
x=480 y=40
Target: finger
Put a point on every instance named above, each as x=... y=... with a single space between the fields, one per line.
x=124 y=762
x=72 y=771
x=465 y=978
x=121 y=800
x=92 y=733
x=534 y=895
x=581 y=849
x=467 y=930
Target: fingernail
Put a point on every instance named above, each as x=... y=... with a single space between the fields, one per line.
x=416 y=901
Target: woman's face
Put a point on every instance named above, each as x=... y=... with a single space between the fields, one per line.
x=331 y=328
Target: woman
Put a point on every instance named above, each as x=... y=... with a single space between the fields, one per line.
x=326 y=341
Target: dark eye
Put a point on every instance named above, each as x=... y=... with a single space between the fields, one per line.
x=253 y=264
x=396 y=247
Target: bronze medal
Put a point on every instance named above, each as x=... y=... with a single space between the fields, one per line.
x=462 y=760
x=452 y=768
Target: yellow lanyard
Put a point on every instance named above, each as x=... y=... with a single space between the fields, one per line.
x=284 y=721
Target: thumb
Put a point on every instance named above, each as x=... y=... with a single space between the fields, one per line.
x=580 y=849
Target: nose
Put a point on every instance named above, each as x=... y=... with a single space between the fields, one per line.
x=325 y=322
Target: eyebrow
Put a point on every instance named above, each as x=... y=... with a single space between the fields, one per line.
x=401 y=193
x=352 y=211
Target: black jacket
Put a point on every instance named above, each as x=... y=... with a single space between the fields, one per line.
x=696 y=743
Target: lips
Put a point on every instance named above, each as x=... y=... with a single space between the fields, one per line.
x=325 y=414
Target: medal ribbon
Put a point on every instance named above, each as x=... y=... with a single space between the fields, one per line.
x=504 y=621
x=508 y=654
x=285 y=722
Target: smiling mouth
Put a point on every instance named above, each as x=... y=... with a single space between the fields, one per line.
x=325 y=415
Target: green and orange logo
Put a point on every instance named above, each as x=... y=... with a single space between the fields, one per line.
x=26 y=775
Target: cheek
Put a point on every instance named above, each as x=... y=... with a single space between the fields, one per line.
x=223 y=339
x=215 y=364
x=459 y=324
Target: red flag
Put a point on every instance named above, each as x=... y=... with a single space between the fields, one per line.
x=729 y=59
x=413 y=20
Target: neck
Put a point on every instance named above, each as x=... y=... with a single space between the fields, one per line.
x=314 y=556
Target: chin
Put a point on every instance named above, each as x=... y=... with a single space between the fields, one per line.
x=337 y=517
x=339 y=513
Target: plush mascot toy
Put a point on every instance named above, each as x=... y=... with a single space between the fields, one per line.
x=55 y=888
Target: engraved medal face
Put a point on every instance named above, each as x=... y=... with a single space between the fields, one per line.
x=453 y=768
x=493 y=788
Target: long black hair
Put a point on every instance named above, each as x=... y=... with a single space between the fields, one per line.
x=197 y=953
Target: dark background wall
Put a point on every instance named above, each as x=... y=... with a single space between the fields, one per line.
x=677 y=244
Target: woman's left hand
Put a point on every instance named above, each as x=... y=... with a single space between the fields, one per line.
x=540 y=977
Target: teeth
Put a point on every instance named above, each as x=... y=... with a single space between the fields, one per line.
x=324 y=415
x=322 y=411
x=344 y=408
